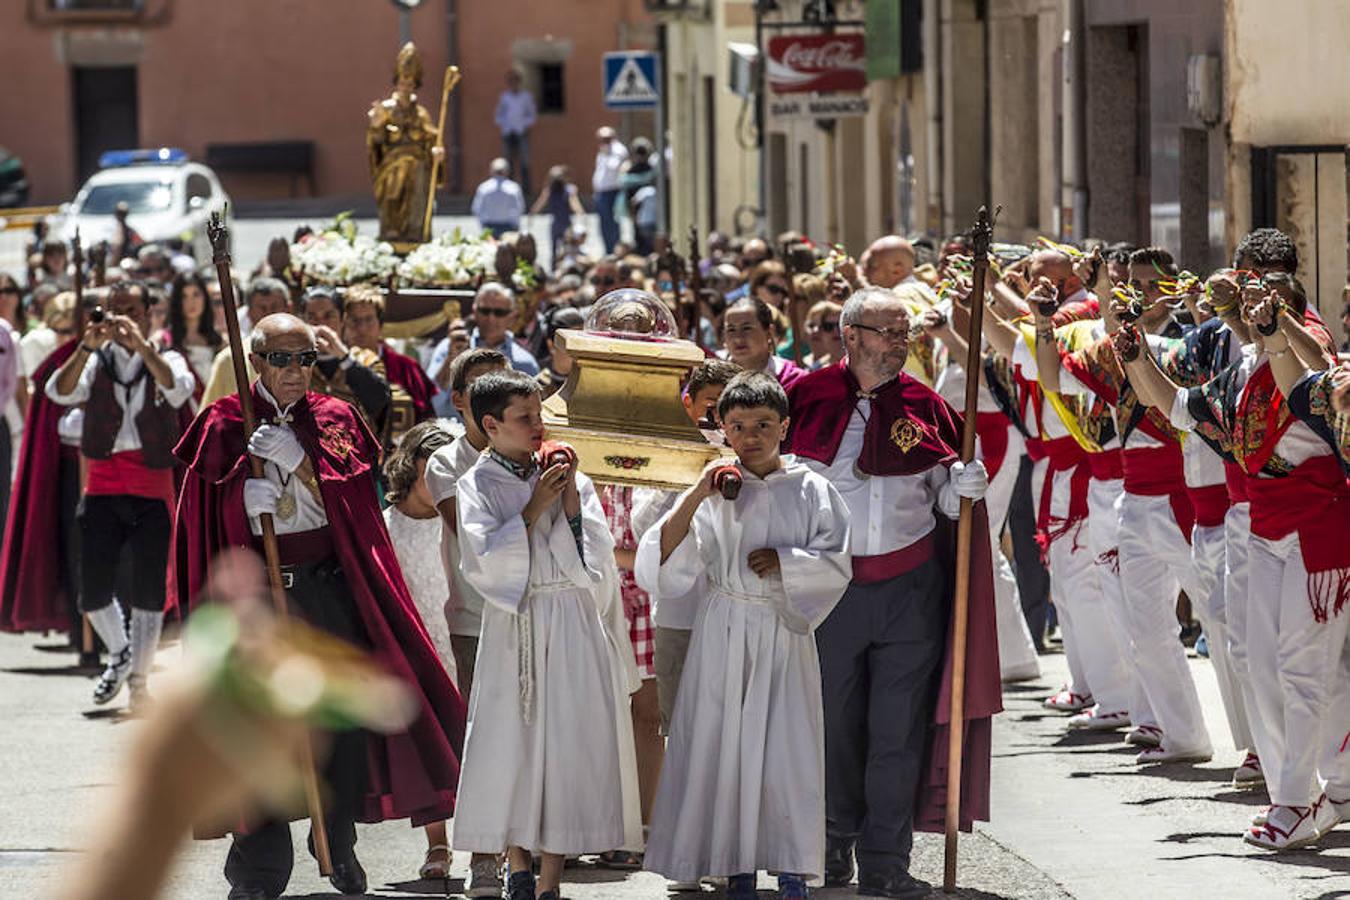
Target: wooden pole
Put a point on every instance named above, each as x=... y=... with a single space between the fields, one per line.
x=220 y=246
x=981 y=235
x=447 y=85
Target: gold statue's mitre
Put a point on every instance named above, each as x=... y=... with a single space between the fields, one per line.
x=409 y=64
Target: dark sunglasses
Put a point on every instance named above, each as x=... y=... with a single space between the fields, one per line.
x=494 y=313
x=280 y=359
x=777 y=289
x=10 y=290
x=827 y=327
x=604 y=282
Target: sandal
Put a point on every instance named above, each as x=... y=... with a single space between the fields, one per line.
x=620 y=859
x=436 y=869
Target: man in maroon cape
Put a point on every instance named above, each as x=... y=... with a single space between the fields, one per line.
x=38 y=589
x=890 y=446
x=341 y=575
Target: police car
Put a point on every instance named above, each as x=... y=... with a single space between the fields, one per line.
x=167 y=196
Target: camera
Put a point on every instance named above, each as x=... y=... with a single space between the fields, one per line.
x=97 y=315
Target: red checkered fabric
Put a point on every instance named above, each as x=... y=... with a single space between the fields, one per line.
x=637 y=606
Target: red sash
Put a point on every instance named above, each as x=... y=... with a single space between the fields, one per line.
x=1107 y=465
x=127 y=474
x=1066 y=454
x=885 y=566
x=1210 y=504
x=1314 y=501
x=992 y=428
x=1236 y=482
x=1159 y=472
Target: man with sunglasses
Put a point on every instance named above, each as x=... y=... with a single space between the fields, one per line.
x=494 y=311
x=265 y=295
x=132 y=393
x=890 y=446
x=341 y=575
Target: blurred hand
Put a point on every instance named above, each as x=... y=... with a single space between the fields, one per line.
x=764 y=562
x=328 y=343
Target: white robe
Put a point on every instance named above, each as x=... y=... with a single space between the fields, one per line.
x=548 y=759
x=743 y=783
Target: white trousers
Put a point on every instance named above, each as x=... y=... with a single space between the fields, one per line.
x=1293 y=659
x=1154 y=562
x=1237 y=526
x=1104 y=542
x=1089 y=642
x=1208 y=553
x=1016 y=651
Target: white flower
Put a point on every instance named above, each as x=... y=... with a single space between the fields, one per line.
x=449 y=260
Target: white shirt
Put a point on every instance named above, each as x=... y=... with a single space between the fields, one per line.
x=1297 y=445
x=128 y=365
x=515 y=112
x=34 y=348
x=885 y=513
x=498 y=201
x=609 y=162
x=309 y=512
x=414 y=543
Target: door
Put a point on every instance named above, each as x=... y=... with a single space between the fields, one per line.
x=1302 y=192
x=105 y=114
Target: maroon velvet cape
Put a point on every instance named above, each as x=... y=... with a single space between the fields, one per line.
x=911 y=429
x=407 y=374
x=411 y=774
x=33 y=598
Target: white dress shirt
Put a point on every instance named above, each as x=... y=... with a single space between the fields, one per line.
x=309 y=512
x=885 y=513
x=128 y=366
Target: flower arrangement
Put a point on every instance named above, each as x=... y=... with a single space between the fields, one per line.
x=450 y=260
x=338 y=255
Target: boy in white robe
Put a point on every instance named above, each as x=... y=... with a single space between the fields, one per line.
x=544 y=749
x=743 y=787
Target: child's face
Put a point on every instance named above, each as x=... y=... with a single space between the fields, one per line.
x=754 y=433
x=420 y=492
x=702 y=406
x=460 y=399
x=520 y=431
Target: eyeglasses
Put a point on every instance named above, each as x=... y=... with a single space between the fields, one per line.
x=280 y=359
x=890 y=334
x=665 y=286
x=10 y=290
x=776 y=289
x=494 y=313
x=827 y=327
x=604 y=282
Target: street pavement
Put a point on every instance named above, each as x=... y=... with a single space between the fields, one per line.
x=1073 y=816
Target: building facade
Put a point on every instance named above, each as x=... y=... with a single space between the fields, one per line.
x=284 y=87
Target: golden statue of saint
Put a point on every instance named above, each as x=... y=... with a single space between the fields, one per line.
x=403 y=143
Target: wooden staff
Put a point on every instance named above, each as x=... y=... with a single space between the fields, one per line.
x=220 y=246
x=447 y=85
x=695 y=287
x=77 y=257
x=981 y=236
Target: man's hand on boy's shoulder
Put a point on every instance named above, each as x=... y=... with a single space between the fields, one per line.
x=764 y=562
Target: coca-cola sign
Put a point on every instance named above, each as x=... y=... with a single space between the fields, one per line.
x=817 y=62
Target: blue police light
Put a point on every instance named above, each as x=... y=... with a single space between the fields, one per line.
x=117 y=158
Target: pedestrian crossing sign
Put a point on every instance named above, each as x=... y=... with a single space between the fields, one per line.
x=631 y=80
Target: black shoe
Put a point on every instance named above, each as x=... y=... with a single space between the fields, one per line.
x=901 y=885
x=246 y=892
x=838 y=863
x=548 y=895
x=520 y=886
x=348 y=877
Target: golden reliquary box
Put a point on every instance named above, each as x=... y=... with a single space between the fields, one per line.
x=620 y=407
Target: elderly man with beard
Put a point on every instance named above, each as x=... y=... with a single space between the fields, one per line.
x=890 y=446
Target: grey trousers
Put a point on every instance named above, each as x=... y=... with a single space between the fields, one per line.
x=880 y=652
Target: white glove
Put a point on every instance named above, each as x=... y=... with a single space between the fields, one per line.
x=261 y=496
x=278 y=445
x=963 y=480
